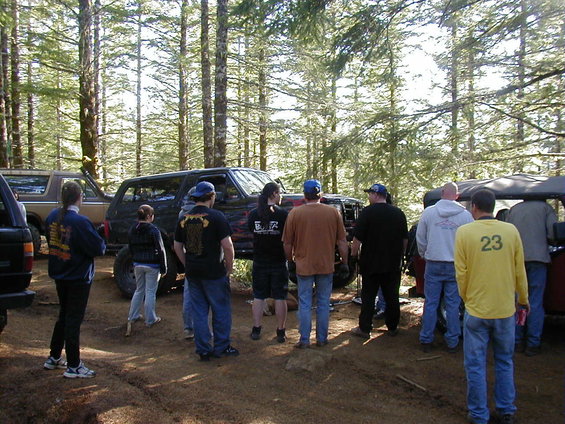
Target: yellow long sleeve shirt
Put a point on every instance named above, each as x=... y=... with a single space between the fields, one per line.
x=489 y=267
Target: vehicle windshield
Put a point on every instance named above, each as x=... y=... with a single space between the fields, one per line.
x=252 y=182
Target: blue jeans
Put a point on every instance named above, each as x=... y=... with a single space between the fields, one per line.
x=478 y=332
x=537 y=276
x=440 y=276
x=323 y=292
x=187 y=307
x=147 y=281
x=381 y=302
x=206 y=295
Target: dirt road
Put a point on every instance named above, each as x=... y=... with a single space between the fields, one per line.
x=155 y=376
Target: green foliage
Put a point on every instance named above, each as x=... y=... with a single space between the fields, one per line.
x=242 y=269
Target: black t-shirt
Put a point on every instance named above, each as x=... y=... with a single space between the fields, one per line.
x=200 y=231
x=381 y=228
x=267 y=242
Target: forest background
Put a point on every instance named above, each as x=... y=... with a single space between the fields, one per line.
x=408 y=93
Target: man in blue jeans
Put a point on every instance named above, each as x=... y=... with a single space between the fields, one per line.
x=534 y=220
x=489 y=265
x=310 y=236
x=435 y=237
x=203 y=245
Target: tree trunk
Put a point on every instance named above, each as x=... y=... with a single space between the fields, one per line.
x=207 y=125
x=262 y=81
x=97 y=53
x=4 y=162
x=30 y=105
x=18 y=160
x=454 y=72
x=333 y=129
x=470 y=108
x=58 y=117
x=138 y=72
x=184 y=146
x=87 y=116
x=519 y=136
x=221 y=85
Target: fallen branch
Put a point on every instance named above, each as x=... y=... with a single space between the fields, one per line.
x=412 y=383
x=428 y=358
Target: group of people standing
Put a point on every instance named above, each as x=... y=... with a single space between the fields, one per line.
x=470 y=257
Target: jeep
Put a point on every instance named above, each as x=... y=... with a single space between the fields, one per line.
x=16 y=255
x=509 y=191
x=40 y=192
x=237 y=190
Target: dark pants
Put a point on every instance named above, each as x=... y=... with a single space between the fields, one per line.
x=389 y=282
x=73 y=297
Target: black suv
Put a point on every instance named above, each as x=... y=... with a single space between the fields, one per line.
x=16 y=255
x=236 y=195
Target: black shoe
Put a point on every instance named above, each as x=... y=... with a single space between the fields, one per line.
x=532 y=350
x=205 y=357
x=506 y=419
x=228 y=351
x=453 y=349
x=392 y=333
x=256 y=333
x=321 y=344
x=281 y=335
x=426 y=347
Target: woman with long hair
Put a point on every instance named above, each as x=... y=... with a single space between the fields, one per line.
x=150 y=262
x=270 y=272
x=73 y=243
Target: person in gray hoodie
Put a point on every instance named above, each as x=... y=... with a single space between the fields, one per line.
x=435 y=237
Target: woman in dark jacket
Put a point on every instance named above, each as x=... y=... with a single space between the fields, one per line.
x=73 y=244
x=149 y=260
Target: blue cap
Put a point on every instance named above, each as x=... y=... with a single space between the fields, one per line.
x=377 y=188
x=202 y=188
x=312 y=187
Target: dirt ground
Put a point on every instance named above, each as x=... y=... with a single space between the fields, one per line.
x=155 y=376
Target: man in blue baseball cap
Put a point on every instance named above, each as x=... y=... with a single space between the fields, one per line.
x=203 y=245
x=383 y=232
x=310 y=236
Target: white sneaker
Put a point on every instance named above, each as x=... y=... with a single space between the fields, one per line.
x=79 y=372
x=128 y=328
x=53 y=363
x=188 y=333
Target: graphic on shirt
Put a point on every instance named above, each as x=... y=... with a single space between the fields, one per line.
x=194 y=227
x=491 y=243
x=59 y=241
x=271 y=229
x=446 y=224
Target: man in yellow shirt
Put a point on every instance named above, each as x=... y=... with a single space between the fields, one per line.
x=489 y=266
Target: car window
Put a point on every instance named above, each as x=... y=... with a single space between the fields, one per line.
x=28 y=184
x=5 y=220
x=153 y=191
x=252 y=182
x=88 y=191
x=222 y=185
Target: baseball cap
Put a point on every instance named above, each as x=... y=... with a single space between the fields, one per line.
x=377 y=188
x=202 y=188
x=312 y=186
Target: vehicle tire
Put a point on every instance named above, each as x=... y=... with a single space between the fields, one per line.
x=441 y=324
x=123 y=272
x=169 y=280
x=125 y=276
x=36 y=237
x=3 y=319
x=337 y=281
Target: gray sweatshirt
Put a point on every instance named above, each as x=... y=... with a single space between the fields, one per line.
x=534 y=220
x=436 y=230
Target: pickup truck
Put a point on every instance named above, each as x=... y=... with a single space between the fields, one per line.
x=237 y=190
x=16 y=255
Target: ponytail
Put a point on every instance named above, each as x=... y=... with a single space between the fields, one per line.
x=70 y=193
x=264 y=210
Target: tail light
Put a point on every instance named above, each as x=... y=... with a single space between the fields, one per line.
x=28 y=256
x=107 y=229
